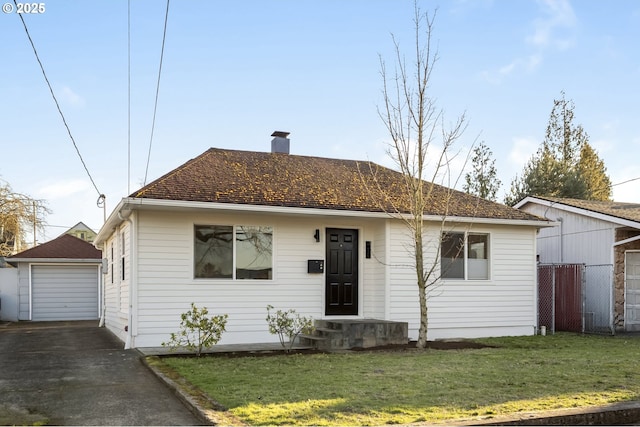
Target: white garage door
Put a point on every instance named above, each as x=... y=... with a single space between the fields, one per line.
x=64 y=292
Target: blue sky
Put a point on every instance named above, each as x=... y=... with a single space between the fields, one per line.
x=233 y=72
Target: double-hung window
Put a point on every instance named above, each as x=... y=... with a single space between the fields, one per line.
x=233 y=252
x=464 y=256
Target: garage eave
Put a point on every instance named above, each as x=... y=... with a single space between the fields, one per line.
x=14 y=261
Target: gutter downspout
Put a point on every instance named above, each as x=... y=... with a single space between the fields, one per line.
x=101 y=274
x=561 y=240
x=129 y=329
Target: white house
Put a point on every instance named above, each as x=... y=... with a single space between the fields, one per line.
x=236 y=231
x=595 y=233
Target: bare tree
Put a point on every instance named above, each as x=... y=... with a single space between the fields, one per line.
x=18 y=215
x=421 y=147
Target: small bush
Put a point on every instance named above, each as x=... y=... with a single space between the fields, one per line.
x=288 y=325
x=197 y=330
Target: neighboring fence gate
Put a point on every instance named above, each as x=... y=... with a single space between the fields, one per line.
x=575 y=298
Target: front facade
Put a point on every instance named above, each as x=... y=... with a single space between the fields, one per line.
x=595 y=233
x=166 y=248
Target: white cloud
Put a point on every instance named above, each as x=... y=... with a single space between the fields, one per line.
x=70 y=97
x=602 y=146
x=527 y=64
x=559 y=16
x=62 y=189
x=554 y=30
x=522 y=150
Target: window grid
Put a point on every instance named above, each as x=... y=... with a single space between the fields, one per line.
x=238 y=252
x=464 y=256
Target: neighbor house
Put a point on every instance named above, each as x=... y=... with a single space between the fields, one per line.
x=236 y=231
x=82 y=231
x=57 y=280
x=595 y=233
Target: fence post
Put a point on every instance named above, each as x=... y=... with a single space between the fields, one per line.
x=583 y=293
x=553 y=300
x=612 y=300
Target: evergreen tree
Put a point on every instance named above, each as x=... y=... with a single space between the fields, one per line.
x=593 y=173
x=482 y=181
x=565 y=164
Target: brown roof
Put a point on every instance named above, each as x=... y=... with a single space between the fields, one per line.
x=63 y=247
x=278 y=179
x=622 y=210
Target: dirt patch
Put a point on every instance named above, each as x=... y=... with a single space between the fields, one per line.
x=409 y=347
x=432 y=345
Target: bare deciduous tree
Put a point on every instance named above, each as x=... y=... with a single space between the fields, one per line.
x=421 y=148
x=18 y=215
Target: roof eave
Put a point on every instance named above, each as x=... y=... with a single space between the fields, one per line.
x=129 y=204
x=581 y=211
x=12 y=261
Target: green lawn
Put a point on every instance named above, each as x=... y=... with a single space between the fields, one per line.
x=371 y=388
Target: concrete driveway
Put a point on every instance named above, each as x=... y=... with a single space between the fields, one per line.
x=74 y=373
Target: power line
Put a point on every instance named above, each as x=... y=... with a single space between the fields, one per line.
x=100 y=195
x=627 y=181
x=155 y=107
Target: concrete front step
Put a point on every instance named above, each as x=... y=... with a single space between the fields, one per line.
x=345 y=334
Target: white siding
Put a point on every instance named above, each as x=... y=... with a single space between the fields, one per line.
x=116 y=290
x=9 y=301
x=162 y=279
x=24 y=291
x=584 y=239
x=166 y=286
x=502 y=305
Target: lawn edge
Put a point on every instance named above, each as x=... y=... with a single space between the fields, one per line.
x=199 y=403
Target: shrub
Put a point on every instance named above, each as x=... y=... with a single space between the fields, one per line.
x=197 y=330
x=288 y=325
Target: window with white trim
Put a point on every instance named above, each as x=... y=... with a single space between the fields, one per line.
x=111 y=263
x=122 y=253
x=233 y=252
x=464 y=256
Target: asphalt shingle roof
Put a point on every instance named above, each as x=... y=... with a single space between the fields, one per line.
x=65 y=246
x=285 y=180
x=622 y=210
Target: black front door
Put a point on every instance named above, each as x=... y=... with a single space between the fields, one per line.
x=341 y=272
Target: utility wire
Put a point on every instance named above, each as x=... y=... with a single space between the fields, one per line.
x=155 y=107
x=100 y=195
x=624 y=182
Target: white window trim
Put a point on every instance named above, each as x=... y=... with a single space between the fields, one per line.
x=233 y=278
x=466 y=256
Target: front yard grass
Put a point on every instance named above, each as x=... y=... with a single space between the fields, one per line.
x=519 y=374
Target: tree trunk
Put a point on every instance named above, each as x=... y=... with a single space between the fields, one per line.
x=422 y=333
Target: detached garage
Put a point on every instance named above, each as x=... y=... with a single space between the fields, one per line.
x=58 y=280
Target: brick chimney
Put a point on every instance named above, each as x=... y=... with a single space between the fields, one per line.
x=280 y=142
